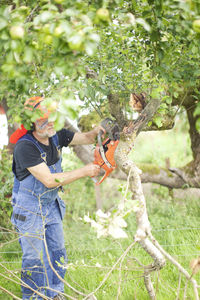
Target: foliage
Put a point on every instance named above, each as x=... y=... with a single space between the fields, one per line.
x=130 y=45
x=42 y=46
x=162 y=59
x=6 y=182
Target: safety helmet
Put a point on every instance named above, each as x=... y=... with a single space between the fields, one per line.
x=34 y=103
x=31 y=104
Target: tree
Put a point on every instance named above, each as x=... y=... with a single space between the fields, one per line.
x=55 y=50
x=104 y=51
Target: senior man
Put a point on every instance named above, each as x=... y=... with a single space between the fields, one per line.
x=37 y=208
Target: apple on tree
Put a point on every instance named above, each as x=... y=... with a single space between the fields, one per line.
x=17 y=32
x=196 y=25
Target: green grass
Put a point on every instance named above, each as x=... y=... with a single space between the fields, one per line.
x=171 y=227
x=155 y=147
x=172 y=221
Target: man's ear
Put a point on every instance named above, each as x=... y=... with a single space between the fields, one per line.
x=33 y=126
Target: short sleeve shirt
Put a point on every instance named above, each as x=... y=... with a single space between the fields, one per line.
x=26 y=154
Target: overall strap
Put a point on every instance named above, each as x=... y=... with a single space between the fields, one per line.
x=31 y=139
x=56 y=143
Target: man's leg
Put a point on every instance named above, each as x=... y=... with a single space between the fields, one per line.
x=33 y=273
x=57 y=255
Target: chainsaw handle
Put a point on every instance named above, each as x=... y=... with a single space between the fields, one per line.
x=104 y=177
x=101 y=149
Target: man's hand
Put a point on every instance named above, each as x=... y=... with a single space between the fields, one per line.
x=42 y=173
x=92 y=170
x=97 y=129
x=86 y=138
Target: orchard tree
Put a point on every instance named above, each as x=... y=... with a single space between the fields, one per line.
x=103 y=52
x=117 y=57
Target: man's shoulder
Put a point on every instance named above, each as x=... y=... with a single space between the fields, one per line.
x=26 y=143
x=65 y=136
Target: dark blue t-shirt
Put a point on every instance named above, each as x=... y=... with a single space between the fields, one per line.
x=26 y=154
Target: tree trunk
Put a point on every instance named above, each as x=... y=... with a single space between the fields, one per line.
x=129 y=168
x=143 y=224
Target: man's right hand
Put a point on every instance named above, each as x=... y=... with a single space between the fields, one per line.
x=92 y=170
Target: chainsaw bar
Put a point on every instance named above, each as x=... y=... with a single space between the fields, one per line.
x=101 y=149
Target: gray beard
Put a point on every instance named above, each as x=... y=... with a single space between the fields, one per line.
x=46 y=134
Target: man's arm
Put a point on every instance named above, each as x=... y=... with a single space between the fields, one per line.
x=86 y=138
x=52 y=180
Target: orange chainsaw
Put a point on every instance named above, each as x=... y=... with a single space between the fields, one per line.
x=104 y=151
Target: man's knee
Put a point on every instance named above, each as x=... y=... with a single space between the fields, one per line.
x=59 y=259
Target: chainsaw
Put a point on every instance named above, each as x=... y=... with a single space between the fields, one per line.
x=104 y=151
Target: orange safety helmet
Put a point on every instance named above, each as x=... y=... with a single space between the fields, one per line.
x=35 y=103
x=30 y=104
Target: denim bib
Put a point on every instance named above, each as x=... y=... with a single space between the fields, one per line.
x=32 y=198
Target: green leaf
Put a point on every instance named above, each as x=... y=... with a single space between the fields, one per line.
x=6 y=12
x=155 y=94
x=4 y=36
x=3 y=23
x=198 y=124
x=46 y=16
x=14 y=44
x=72 y=12
x=90 y=48
x=62 y=259
x=59 y=122
x=197 y=73
x=163 y=106
x=57 y=180
x=10 y=57
x=28 y=55
x=197 y=111
x=94 y=37
x=169 y=100
x=143 y=23
x=16 y=56
x=158 y=121
x=175 y=94
x=75 y=41
x=66 y=27
x=53 y=116
x=28 y=113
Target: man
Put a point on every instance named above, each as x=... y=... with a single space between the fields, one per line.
x=37 y=208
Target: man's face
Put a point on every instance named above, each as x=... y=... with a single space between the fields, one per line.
x=44 y=128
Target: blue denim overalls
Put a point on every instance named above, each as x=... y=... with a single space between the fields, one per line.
x=37 y=215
